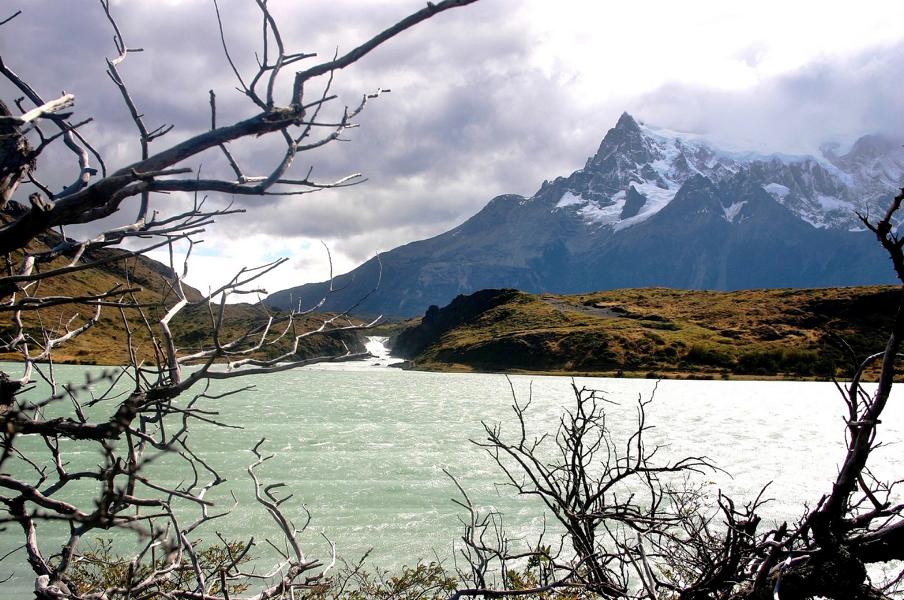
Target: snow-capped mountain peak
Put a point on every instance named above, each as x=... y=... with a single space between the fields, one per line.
x=638 y=169
x=651 y=207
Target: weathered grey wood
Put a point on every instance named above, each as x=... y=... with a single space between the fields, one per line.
x=48 y=108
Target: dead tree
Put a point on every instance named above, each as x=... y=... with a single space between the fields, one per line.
x=161 y=398
x=658 y=538
x=612 y=501
x=859 y=522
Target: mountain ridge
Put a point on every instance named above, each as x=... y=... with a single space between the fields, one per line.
x=649 y=208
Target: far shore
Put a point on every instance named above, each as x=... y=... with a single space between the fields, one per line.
x=610 y=374
x=617 y=373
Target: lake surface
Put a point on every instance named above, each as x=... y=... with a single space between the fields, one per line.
x=363 y=446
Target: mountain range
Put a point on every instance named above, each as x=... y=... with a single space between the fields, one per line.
x=651 y=207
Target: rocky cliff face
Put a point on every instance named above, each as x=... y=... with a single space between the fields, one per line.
x=437 y=321
x=651 y=207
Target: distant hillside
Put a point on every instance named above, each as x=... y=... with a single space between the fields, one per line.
x=654 y=332
x=650 y=208
x=193 y=331
x=106 y=341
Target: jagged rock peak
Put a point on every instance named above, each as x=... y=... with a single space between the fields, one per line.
x=625 y=141
x=627 y=122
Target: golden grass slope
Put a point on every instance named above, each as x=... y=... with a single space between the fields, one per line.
x=108 y=341
x=794 y=333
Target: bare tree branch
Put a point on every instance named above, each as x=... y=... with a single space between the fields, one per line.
x=136 y=413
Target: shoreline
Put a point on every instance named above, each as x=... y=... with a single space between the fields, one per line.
x=405 y=365
x=686 y=375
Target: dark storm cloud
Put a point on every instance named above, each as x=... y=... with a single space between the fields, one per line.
x=468 y=117
x=57 y=46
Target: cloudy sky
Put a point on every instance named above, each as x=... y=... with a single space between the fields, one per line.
x=488 y=99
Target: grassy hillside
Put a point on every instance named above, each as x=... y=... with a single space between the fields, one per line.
x=108 y=340
x=656 y=332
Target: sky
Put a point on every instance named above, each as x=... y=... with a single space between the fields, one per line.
x=488 y=99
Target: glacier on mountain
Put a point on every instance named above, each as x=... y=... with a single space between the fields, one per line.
x=826 y=191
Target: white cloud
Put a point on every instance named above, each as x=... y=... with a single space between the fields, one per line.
x=218 y=260
x=639 y=46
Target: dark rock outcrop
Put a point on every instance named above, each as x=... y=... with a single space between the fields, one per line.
x=634 y=201
x=437 y=321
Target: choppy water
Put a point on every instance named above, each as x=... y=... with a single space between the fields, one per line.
x=363 y=446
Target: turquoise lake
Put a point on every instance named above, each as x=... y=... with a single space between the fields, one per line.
x=363 y=447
